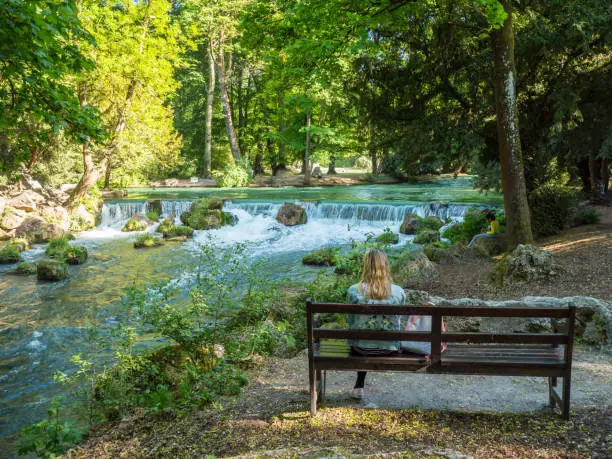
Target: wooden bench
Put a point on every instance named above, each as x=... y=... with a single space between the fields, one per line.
x=496 y=354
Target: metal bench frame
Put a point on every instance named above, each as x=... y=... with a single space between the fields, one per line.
x=527 y=354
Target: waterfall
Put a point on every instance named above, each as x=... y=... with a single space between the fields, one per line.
x=117 y=213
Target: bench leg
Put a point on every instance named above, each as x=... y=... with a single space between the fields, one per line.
x=313 y=391
x=552 y=383
x=319 y=386
x=566 y=396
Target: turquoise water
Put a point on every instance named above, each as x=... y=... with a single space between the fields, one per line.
x=43 y=324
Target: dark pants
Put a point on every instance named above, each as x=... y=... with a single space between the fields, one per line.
x=361 y=375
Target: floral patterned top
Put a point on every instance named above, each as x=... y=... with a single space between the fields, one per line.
x=375 y=322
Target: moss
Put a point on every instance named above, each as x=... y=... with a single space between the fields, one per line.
x=60 y=249
x=424 y=237
x=430 y=223
x=19 y=243
x=10 y=254
x=323 y=257
x=175 y=231
x=25 y=268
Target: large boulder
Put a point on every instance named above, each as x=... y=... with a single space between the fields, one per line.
x=490 y=246
x=317 y=172
x=36 y=230
x=136 y=223
x=114 y=194
x=26 y=201
x=51 y=271
x=413 y=267
x=526 y=263
x=12 y=218
x=438 y=252
x=55 y=214
x=410 y=224
x=291 y=215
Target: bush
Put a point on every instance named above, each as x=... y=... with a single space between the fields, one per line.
x=9 y=254
x=432 y=223
x=236 y=175
x=553 y=209
x=323 y=257
x=586 y=216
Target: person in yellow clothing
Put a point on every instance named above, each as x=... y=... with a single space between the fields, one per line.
x=493 y=228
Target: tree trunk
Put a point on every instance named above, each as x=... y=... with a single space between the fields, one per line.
x=35 y=154
x=210 y=98
x=107 y=175
x=605 y=175
x=307 y=152
x=280 y=162
x=373 y=149
x=594 y=169
x=331 y=169
x=225 y=101
x=518 y=221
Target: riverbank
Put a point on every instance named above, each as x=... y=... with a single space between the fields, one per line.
x=583 y=252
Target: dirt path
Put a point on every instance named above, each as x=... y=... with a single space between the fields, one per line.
x=584 y=252
x=404 y=414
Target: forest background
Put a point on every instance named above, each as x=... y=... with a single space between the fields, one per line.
x=116 y=93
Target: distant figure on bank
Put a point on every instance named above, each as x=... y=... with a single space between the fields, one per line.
x=493 y=228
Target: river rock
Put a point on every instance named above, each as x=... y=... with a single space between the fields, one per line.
x=36 y=230
x=525 y=264
x=26 y=201
x=25 y=269
x=12 y=218
x=291 y=214
x=414 y=268
x=593 y=316
x=207 y=213
x=51 y=271
x=317 y=172
x=136 y=223
x=490 y=246
x=410 y=224
x=456 y=253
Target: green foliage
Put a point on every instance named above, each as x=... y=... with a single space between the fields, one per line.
x=75 y=255
x=426 y=236
x=322 y=257
x=553 y=209
x=234 y=175
x=136 y=223
x=175 y=231
x=50 y=437
x=10 y=254
x=586 y=216
x=351 y=263
x=431 y=223
x=206 y=214
x=60 y=249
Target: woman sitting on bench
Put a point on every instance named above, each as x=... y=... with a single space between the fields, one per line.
x=375 y=287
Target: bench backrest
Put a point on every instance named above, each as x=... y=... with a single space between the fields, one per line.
x=436 y=337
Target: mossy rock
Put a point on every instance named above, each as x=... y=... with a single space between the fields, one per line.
x=57 y=247
x=20 y=244
x=388 y=237
x=52 y=271
x=204 y=219
x=425 y=237
x=153 y=215
x=185 y=217
x=147 y=241
x=323 y=257
x=76 y=255
x=25 y=268
x=173 y=231
x=10 y=254
x=136 y=223
x=443 y=253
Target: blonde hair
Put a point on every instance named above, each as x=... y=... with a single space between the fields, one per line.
x=376 y=280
